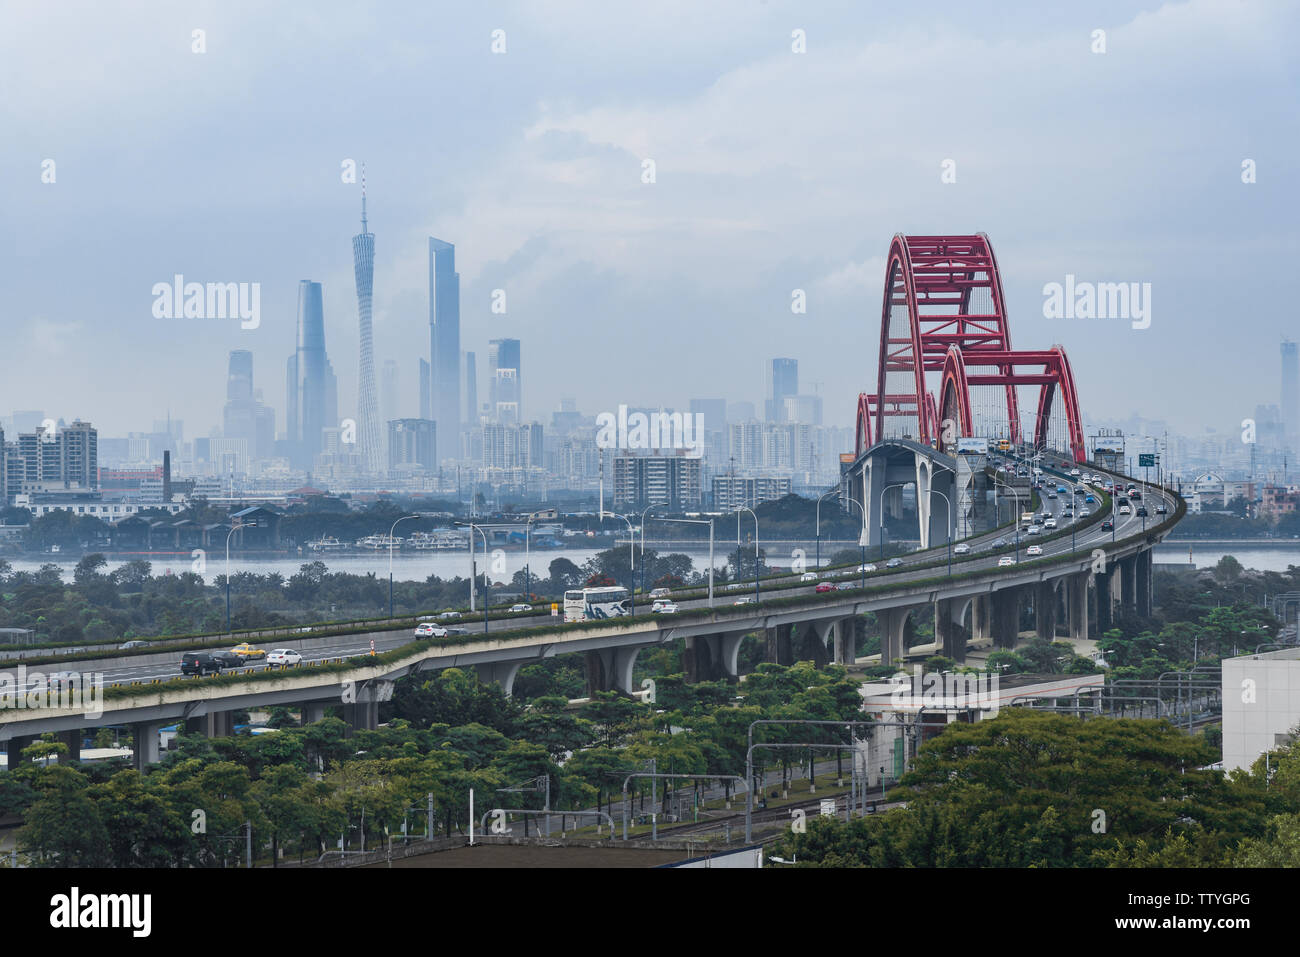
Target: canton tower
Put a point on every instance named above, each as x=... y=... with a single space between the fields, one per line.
x=363 y=260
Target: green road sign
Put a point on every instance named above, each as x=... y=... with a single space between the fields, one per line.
x=1146 y=460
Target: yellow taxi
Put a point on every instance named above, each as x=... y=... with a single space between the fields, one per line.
x=248 y=651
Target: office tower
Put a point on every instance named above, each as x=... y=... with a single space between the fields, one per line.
x=782 y=381
x=1290 y=388
x=244 y=416
x=411 y=444
x=444 y=344
x=503 y=366
x=803 y=408
x=426 y=398
x=312 y=398
x=471 y=388
x=389 y=384
x=363 y=267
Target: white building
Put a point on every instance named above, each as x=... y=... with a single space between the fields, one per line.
x=1261 y=704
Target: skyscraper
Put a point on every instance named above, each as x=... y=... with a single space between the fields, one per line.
x=471 y=388
x=782 y=381
x=312 y=399
x=1290 y=388
x=444 y=345
x=245 y=416
x=504 y=368
x=363 y=263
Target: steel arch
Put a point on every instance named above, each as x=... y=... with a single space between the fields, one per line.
x=943 y=328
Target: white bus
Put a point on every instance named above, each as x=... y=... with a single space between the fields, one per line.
x=588 y=603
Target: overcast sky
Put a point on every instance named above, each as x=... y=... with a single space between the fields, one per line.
x=774 y=171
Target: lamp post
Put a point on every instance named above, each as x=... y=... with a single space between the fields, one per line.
x=696 y=521
x=643 y=515
x=819 y=524
x=528 y=563
x=1017 y=515
x=952 y=525
x=631 y=554
x=862 y=541
x=882 y=514
x=746 y=508
x=473 y=572
x=390 y=561
x=233 y=528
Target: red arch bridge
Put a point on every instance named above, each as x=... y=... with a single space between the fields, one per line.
x=947 y=371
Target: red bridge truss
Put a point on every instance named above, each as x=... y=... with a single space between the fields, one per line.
x=944 y=313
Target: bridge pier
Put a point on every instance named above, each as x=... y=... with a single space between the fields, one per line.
x=214 y=724
x=1045 y=610
x=314 y=711
x=894 y=634
x=818 y=631
x=702 y=659
x=145 y=748
x=981 y=618
x=845 y=641
x=500 y=672
x=1142 y=573
x=14 y=747
x=1128 y=583
x=1005 y=616
x=779 y=651
x=1076 y=605
x=362 y=714
x=1105 y=592
x=949 y=634
x=71 y=738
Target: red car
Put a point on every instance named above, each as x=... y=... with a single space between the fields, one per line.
x=825 y=586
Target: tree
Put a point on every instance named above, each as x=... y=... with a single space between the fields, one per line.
x=1228 y=569
x=63 y=828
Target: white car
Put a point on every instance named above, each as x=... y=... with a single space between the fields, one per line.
x=1034 y=550
x=1049 y=523
x=283 y=656
x=808 y=577
x=961 y=549
x=1074 y=473
x=868 y=567
x=1005 y=560
x=660 y=593
x=521 y=607
x=747 y=600
x=663 y=607
x=427 y=629
x=449 y=615
x=1034 y=530
x=1084 y=513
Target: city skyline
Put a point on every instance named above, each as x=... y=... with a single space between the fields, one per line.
x=571 y=158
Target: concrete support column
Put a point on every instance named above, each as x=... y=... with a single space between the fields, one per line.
x=1005 y=615
x=779 y=651
x=14 y=747
x=313 y=711
x=815 y=635
x=729 y=655
x=702 y=654
x=1128 y=583
x=214 y=724
x=1045 y=610
x=1142 y=569
x=949 y=634
x=893 y=634
x=145 y=744
x=499 y=672
x=362 y=715
x=845 y=645
x=72 y=739
x=981 y=618
x=1076 y=603
x=1105 y=601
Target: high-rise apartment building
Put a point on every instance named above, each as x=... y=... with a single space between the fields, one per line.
x=412 y=444
x=444 y=345
x=471 y=389
x=312 y=389
x=644 y=480
x=504 y=368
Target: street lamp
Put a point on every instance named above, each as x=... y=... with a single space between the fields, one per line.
x=473 y=572
x=631 y=553
x=819 y=523
x=1017 y=515
x=643 y=515
x=882 y=514
x=948 y=503
x=528 y=562
x=696 y=521
x=233 y=528
x=746 y=508
x=390 y=561
x=862 y=541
